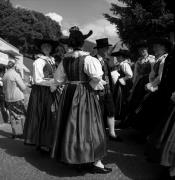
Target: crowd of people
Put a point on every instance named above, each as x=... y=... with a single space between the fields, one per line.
x=77 y=100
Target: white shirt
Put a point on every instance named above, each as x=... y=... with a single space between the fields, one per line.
x=1 y=83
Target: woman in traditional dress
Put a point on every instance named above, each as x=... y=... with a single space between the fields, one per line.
x=142 y=69
x=123 y=85
x=14 y=88
x=79 y=133
x=167 y=146
x=39 y=123
x=151 y=111
x=161 y=146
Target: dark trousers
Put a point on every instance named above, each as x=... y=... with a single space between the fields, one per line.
x=107 y=106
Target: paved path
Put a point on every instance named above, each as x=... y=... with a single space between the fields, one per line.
x=20 y=162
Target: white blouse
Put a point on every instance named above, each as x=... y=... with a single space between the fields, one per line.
x=92 y=68
x=126 y=68
x=38 y=75
x=155 y=81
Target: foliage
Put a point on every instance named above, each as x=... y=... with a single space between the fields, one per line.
x=20 y=26
x=141 y=19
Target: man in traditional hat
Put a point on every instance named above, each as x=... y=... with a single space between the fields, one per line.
x=105 y=96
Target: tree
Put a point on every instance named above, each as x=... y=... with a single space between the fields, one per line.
x=140 y=19
x=20 y=27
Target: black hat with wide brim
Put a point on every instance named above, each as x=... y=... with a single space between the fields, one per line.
x=75 y=35
x=101 y=43
x=163 y=41
x=124 y=53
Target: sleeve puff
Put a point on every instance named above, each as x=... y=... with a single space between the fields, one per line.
x=127 y=70
x=93 y=68
x=157 y=80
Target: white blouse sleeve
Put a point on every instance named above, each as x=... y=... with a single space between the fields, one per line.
x=157 y=80
x=127 y=71
x=152 y=73
x=115 y=76
x=93 y=68
x=38 y=75
x=59 y=75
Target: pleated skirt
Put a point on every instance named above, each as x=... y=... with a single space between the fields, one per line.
x=120 y=95
x=79 y=132
x=40 y=121
x=168 y=141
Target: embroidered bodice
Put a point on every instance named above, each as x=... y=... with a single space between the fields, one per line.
x=74 y=68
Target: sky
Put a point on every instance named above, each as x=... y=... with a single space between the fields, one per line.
x=87 y=14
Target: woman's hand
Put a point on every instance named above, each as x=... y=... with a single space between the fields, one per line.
x=53 y=88
x=122 y=81
x=149 y=87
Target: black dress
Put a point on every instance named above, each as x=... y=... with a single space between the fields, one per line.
x=162 y=139
x=79 y=132
x=138 y=89
x=39 y=124
x=120 y=95
x=152 y=109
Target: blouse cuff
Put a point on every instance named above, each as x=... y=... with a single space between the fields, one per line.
x=115 y=75
x=97 y=85
x=44 y=82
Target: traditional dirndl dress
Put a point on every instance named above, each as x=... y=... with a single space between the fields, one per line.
x=150 y=110
x=142 y=71
x=79 y=132
x=168 y=142
x=39 y=124
x=121 y=92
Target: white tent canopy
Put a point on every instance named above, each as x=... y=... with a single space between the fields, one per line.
x=5 y=46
